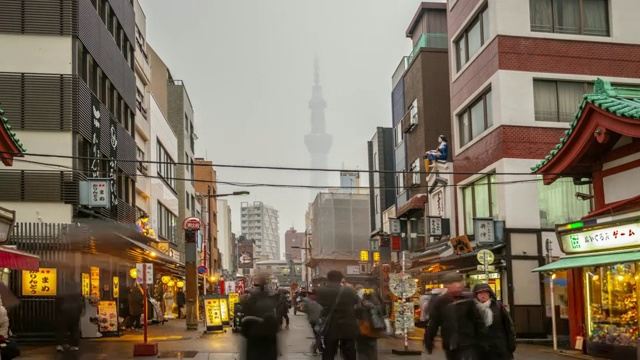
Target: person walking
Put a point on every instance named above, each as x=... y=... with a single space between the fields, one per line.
x=136 y=307
x=69 y=309
x=181 y=300
x=500 y=339
x=341 y=329
x=370 y=314
x=313 y=311
x=260 y=322
x=283 y=308
x=457 y=318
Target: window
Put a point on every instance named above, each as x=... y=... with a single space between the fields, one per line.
x=413 y=112
x=476 y=118
x=472 y=38
x=166 y=223
x=400 y=182
x=188 y=200
x=558 y=100
x=186 y=122
x=375 y=161
x=480 y=200
x=558 y=202
x=377 y=204
x=166 y=166
x=584 y=17
x=142 y=166
x=415 y=169
x=399 y=134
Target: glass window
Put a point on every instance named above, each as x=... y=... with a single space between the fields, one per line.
x=612 y=304
x=474 y=37
x=558 y=100
x=477 y=118
x=413 y=111
x=481 y=197
x=586 y=17
x=461 y=54
x=489 y=106
x=480 y=200
x=465 y=134
x=468 y=207
x=399 y=134
x=558 y=203
x=485 y=26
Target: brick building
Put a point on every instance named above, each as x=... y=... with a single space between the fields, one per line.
x=516 y=79
x=293 y=238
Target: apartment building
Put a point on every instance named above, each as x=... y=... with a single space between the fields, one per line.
x=205 y=185
x=518 y=70
x=226 y=243
x=259 y=222
x=381 y=178
x=294 y=238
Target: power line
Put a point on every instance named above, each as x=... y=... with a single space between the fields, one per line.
x=285 y=168
x=290 y=186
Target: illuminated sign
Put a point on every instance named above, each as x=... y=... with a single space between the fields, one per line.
x=95 y=281
x=224 y=310
x=108 y=316
x=43 y=282
x=364 y=255
x=116 y=287
x=213 y=315
x=615 y=237
x=86 y=284
x=234 y=298
x=376 y=256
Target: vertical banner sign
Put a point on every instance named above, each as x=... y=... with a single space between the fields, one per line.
x=86 y=284
x=95 y=281
x=233 y=300
x=95 y=138
x=245 y=255
x=224 y=310
x=116 y=287
x=113 y=169
x=385 y=278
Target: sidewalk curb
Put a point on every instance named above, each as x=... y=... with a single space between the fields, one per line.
x=572 y=355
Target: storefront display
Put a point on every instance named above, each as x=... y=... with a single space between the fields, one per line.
x=612 y=304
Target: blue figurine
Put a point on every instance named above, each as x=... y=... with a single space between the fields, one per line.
x=441 y=152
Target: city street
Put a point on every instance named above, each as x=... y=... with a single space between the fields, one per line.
x=176 y=343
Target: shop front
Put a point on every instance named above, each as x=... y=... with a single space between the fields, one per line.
x=605 y=252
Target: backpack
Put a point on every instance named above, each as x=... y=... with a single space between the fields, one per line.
x=260 y=316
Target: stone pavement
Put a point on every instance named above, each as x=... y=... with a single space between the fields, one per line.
x=175 y=342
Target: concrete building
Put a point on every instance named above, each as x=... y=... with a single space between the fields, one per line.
x=205 y=185
x=283 y=271
x=225 y=240
x=318 y=141
x=340 y=229
x=516 y=77
x=293 y=238
x=381 y=178
x=260 y=223
x=88 y=73
x=173 y=102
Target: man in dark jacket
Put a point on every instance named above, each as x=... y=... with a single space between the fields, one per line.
x=69 y=310
x=342 y=327
x=260 y=322
x=442 y=317
x=181 y=300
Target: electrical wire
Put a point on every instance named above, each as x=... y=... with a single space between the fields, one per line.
x=290 y=186
x=285 y=168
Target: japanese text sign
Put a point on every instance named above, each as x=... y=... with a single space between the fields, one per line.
x=364 y=255
x=224 y=310
x=116 y=287
x=376 y=256
x=483 y=230
x=100 y=193
x=234 y=298
x=212 y=312
x=86 y=284
x=435 y=226
x=141 y=269
x=619 y=236
x=95 y=281
x=43 y=282
x=394 y=226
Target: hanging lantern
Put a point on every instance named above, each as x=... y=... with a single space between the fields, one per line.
x=133 y=273
x=171 y=283
x=180 y=284
x=165 y=279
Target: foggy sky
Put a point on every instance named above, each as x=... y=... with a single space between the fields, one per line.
x=248 y=69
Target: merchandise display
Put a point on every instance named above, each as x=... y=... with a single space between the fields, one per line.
x=613 y=304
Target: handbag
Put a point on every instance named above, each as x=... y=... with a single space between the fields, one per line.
x=322 y=325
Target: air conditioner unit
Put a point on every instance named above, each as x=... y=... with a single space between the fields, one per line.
x=414 y=119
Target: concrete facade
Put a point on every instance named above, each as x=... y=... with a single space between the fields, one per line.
x=260 y=222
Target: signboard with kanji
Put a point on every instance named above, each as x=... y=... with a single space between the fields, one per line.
x=483 y=230
x=234 y=298
x=385 y=277
x=376 y=256
x=86 y=284
x=224 y=310
x=461 y=245
x=364 y=255
x=141 y=269
x=394 y=226
x=403 y=316
x=100 y=192
x=95 y=281
x=435 y=226
x=116 y=287
x=43 y=282
x=606 y=238
x=213 y=313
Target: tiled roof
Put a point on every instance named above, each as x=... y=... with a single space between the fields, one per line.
x=620 y=101
x=5 y=123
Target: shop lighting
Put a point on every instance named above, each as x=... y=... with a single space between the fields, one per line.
x=553 y=276
x=575 y=225
x=165 y=279
x=133 y=273
x=171 y=283
x=153 y=254
x=620 y=277
x=180 y=284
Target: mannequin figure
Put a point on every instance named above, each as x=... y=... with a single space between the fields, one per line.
x=168 y=303
x=440 y=153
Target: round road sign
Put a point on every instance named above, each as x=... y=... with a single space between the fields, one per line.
x=191 y=223
x=202 y=270
x=402 y=285
x=485 y=254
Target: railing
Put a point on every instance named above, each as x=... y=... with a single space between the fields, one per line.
x=438 y=41
x=175 y=82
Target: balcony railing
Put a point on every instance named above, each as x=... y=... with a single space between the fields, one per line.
x=438 y=41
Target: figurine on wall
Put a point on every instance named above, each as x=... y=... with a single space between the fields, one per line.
x=441 y=152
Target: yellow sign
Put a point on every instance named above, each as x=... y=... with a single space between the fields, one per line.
x=376 y=256
x=364 y=255
x=95 y=281
x=43 y=282
x=86 y=284
x=212 y=309
x=116 y=287
x=234 y=298
x=224 y=310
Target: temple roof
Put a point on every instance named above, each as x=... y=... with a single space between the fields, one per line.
x=619 y=101
x=15 y=146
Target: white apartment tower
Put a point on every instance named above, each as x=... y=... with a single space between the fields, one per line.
x=260 y=223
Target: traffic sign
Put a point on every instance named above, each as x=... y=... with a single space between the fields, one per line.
x=202 y=270
x=191 y=223
x=485 y=257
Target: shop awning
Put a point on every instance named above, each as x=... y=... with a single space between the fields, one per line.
x=570 y=262
x=148 y=250
x=18 y=260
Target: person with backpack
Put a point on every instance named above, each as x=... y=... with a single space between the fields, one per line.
x=371 y=319
x=338 y=315
x=260 y=323
x=499 y=340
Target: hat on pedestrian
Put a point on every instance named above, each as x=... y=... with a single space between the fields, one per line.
x=451 y=278
x=482 y=287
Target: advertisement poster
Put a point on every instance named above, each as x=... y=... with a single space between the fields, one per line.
x=213 y=316
x=403 y=315
x=107 y=316
x=40 y=283
x=245 y=255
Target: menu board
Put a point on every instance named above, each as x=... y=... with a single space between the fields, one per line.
x=43 y=282
x=213 y=316
x=108 y=316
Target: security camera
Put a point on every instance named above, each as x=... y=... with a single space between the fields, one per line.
x=583 y=196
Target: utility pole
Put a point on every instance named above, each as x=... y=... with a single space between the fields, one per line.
x=191 y=226
x=549 y=249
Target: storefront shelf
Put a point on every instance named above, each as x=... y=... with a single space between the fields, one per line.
x=608 y=351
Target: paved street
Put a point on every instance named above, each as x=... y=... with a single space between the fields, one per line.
x=176 y=343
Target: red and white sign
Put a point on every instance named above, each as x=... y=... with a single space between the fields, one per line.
x=191 y=223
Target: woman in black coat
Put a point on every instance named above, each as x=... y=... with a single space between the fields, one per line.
x=498 y=341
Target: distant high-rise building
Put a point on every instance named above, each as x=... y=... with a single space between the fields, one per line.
x=318 y=141
x=225 y=241
x=260 y=223
x=349 y=182
x=381 y=177
x=293 y=238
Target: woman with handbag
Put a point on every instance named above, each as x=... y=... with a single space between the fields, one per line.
x=370 y=314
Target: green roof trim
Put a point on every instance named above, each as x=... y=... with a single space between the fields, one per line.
x=620 y=101
x=5 y=123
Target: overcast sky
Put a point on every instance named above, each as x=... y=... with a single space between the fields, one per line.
x=248 y=68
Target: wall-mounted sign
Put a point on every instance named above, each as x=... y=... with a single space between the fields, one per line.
x=376 y=256
x=614 y=237
x=86 y=284
x=43 y=282
x=394 y=226
x=483 y=231
x=396 y=243
x=112 y=166
x=245 y=255
x=100 y=191
x=353 y=270
x=364 y=255
x=461 y=245
x=385 y=278
x=116 y=287
x=95 y=137
x=435 y=226
x=95 y=281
